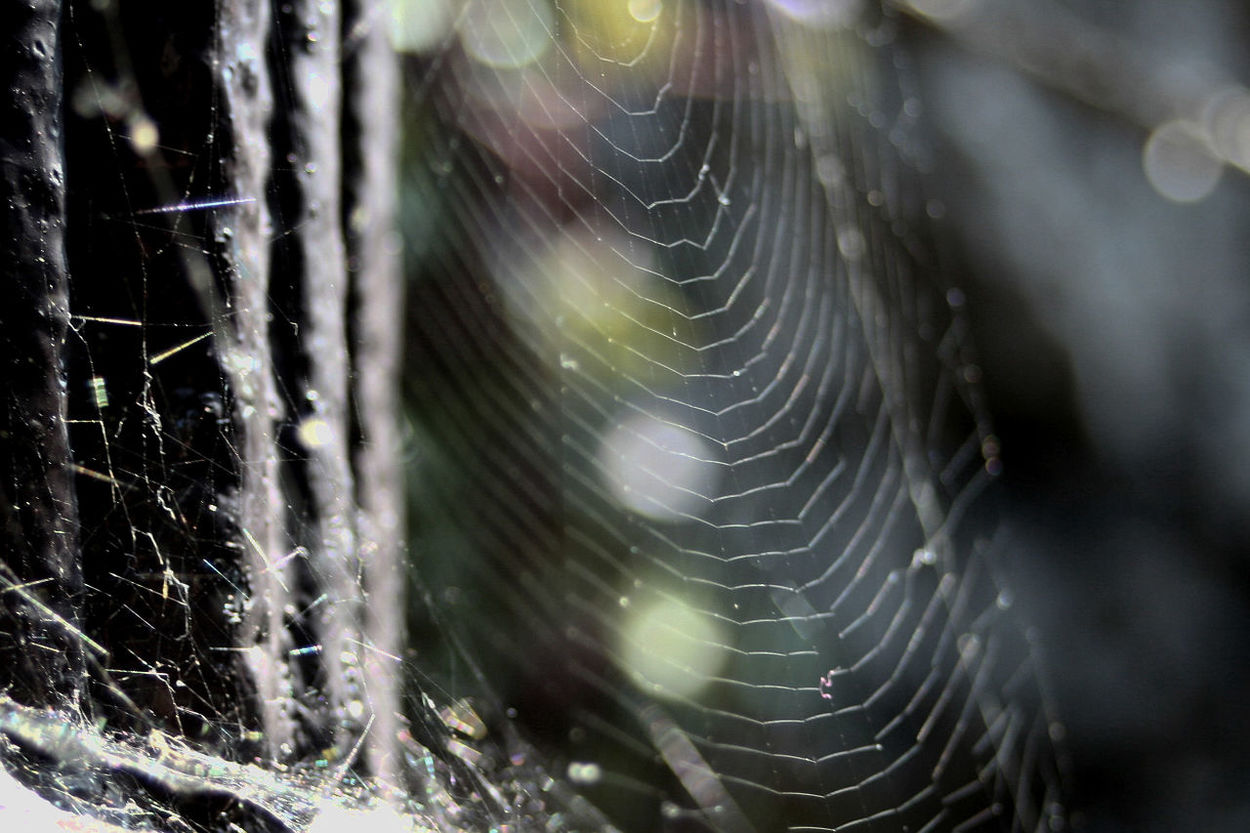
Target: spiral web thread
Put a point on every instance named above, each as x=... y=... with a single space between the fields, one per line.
x=702 y=473
x=696 y=444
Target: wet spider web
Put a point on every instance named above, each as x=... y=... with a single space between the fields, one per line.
x=694 y=436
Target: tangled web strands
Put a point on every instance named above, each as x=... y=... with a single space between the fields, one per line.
x=695 y=435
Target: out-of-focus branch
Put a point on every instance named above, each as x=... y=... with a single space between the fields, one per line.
x=1052 y=45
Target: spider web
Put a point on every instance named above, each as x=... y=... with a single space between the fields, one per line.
x=695 y=433
x=694 y=438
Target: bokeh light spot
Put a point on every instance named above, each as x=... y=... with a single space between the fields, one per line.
x=674 y=648
x=420 y=25
x=1179 y=163
x=657 y=469
x=507 y=34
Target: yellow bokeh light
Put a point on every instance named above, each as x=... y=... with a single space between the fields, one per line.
x=421 y=25
x=315 y=433
x=507 y=34
x=672 y=648
x=628 y=32
x=144 y=135
x=645 y=11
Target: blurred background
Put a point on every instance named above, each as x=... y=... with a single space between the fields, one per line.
x=1091 y=157
x=1083 y=165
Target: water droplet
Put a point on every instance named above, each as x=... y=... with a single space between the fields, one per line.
x=584 y=774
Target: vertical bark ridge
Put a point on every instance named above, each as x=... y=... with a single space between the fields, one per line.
x=217 y=468
x=370 y=147
x=308 y=128
x=248 y=360
x=38 y=506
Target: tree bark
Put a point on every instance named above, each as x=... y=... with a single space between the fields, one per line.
x=210 y=229
x=40 y=578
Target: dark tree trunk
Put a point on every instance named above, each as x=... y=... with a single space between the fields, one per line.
x=41 y=655
x=198 y=452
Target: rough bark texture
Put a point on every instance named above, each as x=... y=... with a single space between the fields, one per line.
x=315 y=370
x=245 y=79
x=40 y=575
x=370 y=147
x=193 y=221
